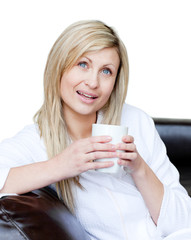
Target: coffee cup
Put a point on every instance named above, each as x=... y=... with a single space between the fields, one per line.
x=116 y=132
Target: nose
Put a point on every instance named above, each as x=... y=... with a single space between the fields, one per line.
x=92 y=80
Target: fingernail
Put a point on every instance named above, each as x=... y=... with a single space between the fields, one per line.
x=108 y=138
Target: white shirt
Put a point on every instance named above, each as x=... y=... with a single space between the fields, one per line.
x=111 y=207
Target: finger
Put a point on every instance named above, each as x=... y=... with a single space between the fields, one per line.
x=99 y=165
x=127 y=155
x=99 y=155
x=128 y=139
x=89 y=144
x=126 y=147
x=124 y=163
x=93 y=147
x=100 y=139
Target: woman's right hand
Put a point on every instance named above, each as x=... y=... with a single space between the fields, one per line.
x=75 y=159
x=79 y=156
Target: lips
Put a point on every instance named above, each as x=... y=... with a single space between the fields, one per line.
x=87 y=95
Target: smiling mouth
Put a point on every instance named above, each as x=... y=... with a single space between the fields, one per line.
x=86 y=95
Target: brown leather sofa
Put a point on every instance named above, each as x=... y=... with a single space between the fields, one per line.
x=176 y=134
x=40 y=215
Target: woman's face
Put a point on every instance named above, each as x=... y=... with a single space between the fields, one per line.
x=87 y=86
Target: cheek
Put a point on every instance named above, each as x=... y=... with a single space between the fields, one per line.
x=108 y=89
x=66 y=83
x=64 y=88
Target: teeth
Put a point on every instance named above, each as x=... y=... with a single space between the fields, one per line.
x=86 y=95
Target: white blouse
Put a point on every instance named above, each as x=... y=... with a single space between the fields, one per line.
x=111 y=207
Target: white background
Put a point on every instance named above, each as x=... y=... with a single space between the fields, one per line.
x=157 y=34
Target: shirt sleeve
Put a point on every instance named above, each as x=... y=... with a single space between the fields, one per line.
x=3 y=173
x=24 y=148
x=175 y=211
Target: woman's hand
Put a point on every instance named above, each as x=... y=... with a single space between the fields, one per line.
x=80 y=155
x=75 y=159
x=145 y=179
x=130 y=158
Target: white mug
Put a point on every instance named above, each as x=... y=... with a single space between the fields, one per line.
x=116 y=132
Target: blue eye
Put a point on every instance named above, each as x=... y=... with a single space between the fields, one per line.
x=82 y=64
x=106 y=71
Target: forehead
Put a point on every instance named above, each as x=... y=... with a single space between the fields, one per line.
x=104 y=56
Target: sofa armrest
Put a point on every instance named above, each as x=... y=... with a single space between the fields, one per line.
x=38 y=215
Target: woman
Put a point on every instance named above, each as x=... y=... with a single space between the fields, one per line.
x=85 y=82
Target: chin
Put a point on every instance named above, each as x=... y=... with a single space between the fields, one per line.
x=87 y=111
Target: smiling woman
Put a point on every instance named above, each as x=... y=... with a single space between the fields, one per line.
x=87 y=86
x=85 y=82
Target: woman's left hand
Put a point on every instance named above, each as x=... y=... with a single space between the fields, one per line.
x=130 y=157
x=143 y=176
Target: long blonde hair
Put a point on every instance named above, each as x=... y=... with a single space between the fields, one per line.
x=78 y=39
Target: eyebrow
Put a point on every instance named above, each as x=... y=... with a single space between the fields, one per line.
x=103 y=65
x=87 y=58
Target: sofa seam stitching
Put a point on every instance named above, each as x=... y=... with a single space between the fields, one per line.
x=14 y=223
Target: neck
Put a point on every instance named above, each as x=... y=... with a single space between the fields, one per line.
x=79 y=126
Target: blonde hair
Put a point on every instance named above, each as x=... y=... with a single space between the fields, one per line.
x=78 y=39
